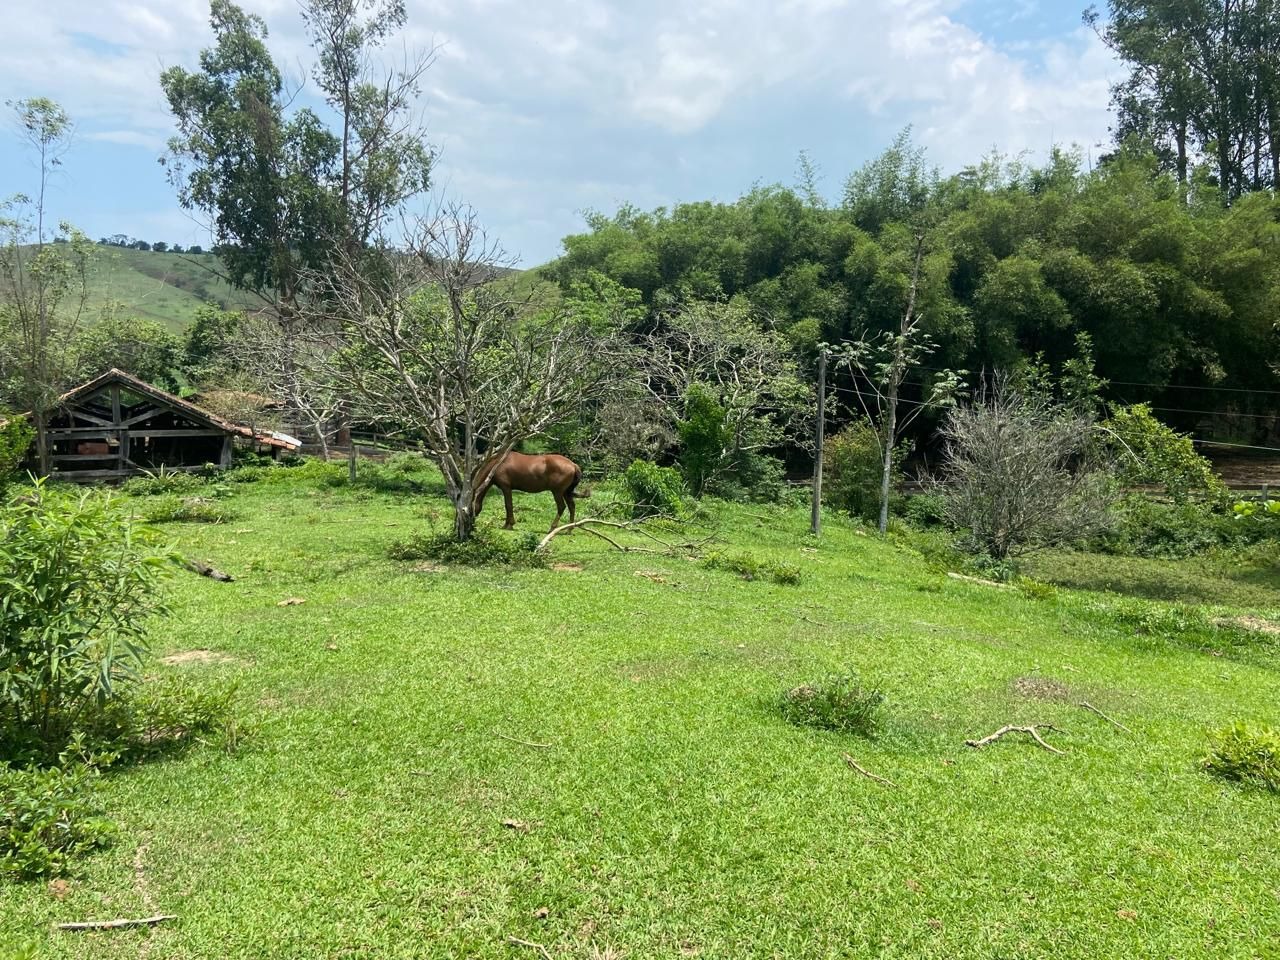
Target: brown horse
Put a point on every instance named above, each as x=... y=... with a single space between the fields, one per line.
x=533 y=474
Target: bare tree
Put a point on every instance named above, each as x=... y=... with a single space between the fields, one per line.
x=293 y=366
x=1020 y=473
x=883 y=363
x=746 y=368
x=431 y=346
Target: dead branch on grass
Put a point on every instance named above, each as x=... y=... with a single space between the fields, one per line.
x=867 y=773
x=1031 y=730
x=205 y=570
x=1115 y=723
x=588 y=524
x=117 y=924
x=516 y=941
x=525 y=743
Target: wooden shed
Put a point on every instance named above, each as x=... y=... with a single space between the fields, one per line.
x=116 y=426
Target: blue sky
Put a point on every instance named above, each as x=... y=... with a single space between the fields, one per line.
x=544 y=110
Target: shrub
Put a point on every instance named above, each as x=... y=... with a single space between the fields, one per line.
x=1148 y=528
x=750 y=567
x=1148 y=453
x=851 y=471
x=164 y=715
x=1248 y=754
x=1020 y=474
x=486 y=548
x=47 y=817
x=171 y=508
x=704 y=438
x=16 y=437
x=162 y=481
x=655 y=490
x=839 y=702
x=80 y=584
x=925 y=510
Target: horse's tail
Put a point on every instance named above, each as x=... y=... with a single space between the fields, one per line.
x=573 y=491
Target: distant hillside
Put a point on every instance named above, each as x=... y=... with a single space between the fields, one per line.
x=166 y=287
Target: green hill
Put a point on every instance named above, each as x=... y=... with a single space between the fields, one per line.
x=165 y=287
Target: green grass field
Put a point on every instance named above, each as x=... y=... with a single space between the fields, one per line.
x=381 y=811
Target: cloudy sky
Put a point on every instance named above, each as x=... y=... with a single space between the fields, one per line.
x=545 y=109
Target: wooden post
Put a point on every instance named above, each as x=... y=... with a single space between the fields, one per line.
x=815 y=526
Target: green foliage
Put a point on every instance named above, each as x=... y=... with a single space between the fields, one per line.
x=1148 y=528
x=16 y=436
x=48 y=817
x=1148 y=453
x=485 y=548
x=172 y=508
x=751 y=567
x=706 y=441
x=852 y=468
x=164 y=715
x=1266 y=511
x=136 y=345
x=1248 y=754
x=655 y=490
x=925 y=509
x=840 y=702
x=162 y=481
x=78 y=584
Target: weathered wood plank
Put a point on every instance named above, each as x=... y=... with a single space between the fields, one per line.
x=209 y=432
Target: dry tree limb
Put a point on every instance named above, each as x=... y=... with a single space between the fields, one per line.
x=525 y=743
x=117 y=924
x=516 y=941
x=207 y=571
x=1032 y=730
x=867 y=773
x=1115 y=723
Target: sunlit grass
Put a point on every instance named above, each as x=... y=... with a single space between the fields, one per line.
x=386 y=808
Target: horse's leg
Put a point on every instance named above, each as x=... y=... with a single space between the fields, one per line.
x=559 y=508
x=572 y=501
x=511 y=513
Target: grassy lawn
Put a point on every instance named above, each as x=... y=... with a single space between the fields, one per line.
x=381 y=811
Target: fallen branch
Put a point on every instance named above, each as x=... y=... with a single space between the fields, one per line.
x=516 y=941
x=526 y=743
x=117 y=924
x=1115 y=723
x=584 y=525
x=1032 y=730
x=207 y=571
x=867 y=773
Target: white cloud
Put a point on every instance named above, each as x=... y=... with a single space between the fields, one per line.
x=534 y=102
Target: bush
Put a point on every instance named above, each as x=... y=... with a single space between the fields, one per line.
x=80 y=584
x=16 y=437
x=1148 y=453
x=704 y=438
x=47 y=817
x=174 y=509
x=1020 y=474
x=486 y=548
x=925 y=510
x=1248 y=754
x=851 y=471
x=164 y=715
x=162 y=481
x=839 y=702
x=1148 y=528
x=655 y=490
x=750 y=567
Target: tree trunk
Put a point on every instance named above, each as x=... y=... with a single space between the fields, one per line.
x=886 y=472
x=464 y=518
x=43 y=460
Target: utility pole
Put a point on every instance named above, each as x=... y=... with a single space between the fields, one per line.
x=816 y=525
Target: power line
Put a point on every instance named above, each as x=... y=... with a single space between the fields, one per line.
x=1187 y=386
x=1240 y=446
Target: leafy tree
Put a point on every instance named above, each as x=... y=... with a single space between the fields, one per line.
x=136 y=345
x=43 y=286
x=160 y=246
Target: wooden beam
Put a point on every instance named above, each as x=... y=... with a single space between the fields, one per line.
x=77 y=457
x=138 y=418
x=115 y=404
x=208 y=432
x=81 y=433
x=76 y=412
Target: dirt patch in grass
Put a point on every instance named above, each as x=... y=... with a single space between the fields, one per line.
x=426 y=567
x=1256 y=624
x=1041 y=688
x=567 y=567
x=201 y=658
